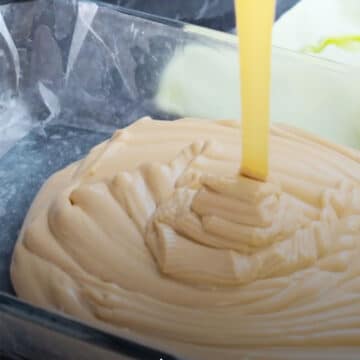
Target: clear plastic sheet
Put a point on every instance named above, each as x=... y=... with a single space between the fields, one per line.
x=73 y=61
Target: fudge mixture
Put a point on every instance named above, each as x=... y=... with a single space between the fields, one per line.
x=155 y=236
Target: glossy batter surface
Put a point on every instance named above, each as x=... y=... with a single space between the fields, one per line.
x=155 y=232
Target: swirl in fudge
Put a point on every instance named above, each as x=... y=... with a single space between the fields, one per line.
x=155 y=231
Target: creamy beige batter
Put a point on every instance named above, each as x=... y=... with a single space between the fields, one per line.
x=155 y=232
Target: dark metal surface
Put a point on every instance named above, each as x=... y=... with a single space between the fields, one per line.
x=216 y=14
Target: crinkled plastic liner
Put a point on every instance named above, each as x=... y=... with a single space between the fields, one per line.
x=89 y=65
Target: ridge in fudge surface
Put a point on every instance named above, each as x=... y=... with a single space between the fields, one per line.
x=36 y=157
